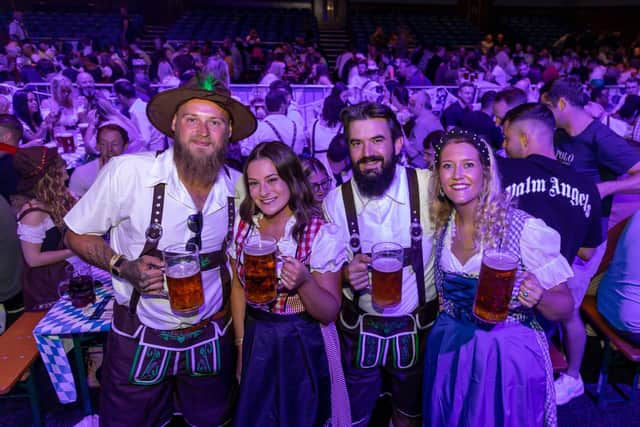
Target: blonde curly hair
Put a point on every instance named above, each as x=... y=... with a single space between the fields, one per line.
x=52 y=192
x=491 y=214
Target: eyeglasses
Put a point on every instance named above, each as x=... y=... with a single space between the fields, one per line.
x=323 y=185
x=194 y=224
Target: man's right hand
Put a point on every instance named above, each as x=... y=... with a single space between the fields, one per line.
x=357 y=272
x=146 y=274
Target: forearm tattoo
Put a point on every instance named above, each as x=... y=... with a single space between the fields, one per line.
x=98 y=253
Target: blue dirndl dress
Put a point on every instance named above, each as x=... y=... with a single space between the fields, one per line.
x=478 y=374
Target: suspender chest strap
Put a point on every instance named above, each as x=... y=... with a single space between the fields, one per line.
x=414 y=255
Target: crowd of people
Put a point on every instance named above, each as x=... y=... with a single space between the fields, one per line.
x=531 y=169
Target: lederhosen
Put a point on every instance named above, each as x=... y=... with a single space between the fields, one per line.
x=388 y=341
x=195 y=351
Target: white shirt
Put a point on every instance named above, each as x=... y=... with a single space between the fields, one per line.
x=16 y=30
x=83 y=176
x=151 y=137
x=543 y=260
x=284 y=126
x=120 y=202
x=328 y=250
x=388 y=219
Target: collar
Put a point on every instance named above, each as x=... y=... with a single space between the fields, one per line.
x=164 y=170
x=394 y=193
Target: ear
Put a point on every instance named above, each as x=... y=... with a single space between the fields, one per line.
x=562 y=104
x=524 y=140
x=173 y=123
x=230 y=131
x=397 y=145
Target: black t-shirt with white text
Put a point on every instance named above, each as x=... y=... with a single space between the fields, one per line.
x=562 y=198
x=598 y=153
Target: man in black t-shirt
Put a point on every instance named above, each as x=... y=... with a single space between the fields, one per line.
x=589 y=147
x=566 y=202
x=452 y=115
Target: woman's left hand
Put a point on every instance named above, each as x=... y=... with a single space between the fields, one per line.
x=531 y=291
x=293 y=273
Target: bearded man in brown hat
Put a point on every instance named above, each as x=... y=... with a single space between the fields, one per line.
x=158 y=359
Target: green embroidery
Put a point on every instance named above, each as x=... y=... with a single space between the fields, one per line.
x=180 y=338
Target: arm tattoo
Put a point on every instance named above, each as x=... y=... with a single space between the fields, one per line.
x=98 y=253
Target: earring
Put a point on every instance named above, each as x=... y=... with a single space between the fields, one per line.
x=441 y=193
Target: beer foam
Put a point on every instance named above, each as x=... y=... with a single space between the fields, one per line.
x=183 y=269
x=500 y=260
x=265 y=247
x=387 y=265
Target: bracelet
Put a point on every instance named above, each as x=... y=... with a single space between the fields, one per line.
x=238 y=341
x=112 y=262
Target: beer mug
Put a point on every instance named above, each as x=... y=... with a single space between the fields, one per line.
x=184 y=281
x=386 y=277
x=495 y=285
x=65 y=141
x=260 y=276
x=79 y=285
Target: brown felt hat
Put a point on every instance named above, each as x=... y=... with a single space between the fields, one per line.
x=32 y=164
x=164 y=106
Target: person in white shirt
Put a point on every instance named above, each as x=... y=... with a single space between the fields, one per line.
x=17 y=30
x=384 y=202
x=137 y=109
x=276 y=126
x=148 y=202
x=112 y=141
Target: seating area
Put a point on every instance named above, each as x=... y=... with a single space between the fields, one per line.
x=540 y=31
x=446 y=30
x=272 y=24
x=47 y=25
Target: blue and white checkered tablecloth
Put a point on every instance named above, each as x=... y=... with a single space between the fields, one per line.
x=64 y=320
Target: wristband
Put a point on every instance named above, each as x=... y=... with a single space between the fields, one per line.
x=238 y=341
x=115 y=263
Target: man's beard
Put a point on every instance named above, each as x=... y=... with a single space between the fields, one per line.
x=200 y=171
x=374 y=185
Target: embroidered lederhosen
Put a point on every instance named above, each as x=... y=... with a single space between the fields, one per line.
x=384 y=340
x=198 y=344
x=517 y=313
x=286 y=302
x=275 y=131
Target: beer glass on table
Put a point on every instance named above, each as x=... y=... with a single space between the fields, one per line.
x=184 y=280
x=79 y=286
x=386 y=278
x=65 y=140
x=495 y=285
x=260 y=276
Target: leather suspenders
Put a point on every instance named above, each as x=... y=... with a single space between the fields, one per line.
x=208 y=261
x=415 y=252
x=295 y=132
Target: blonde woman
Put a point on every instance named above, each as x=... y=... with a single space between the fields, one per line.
x=479 y=373
x=40 y=228
x=62 y=104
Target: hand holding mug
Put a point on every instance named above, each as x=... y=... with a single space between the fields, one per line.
x=531 y=291
x=293 y=273
x=145 y=274
x=357 y=272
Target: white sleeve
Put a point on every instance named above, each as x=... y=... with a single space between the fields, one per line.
x=100 y=207
x=33 y=233
x=328 y=250
x=540 y=250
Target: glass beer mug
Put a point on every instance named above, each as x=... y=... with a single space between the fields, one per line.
x=260 y=276
x=184 y=280
x=495 y=285
x=386 y=277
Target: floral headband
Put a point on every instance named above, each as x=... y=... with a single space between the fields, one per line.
x=456 y=133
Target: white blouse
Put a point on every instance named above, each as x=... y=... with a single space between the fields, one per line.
x=539 y=249
x=328 y=251
x=35 y=233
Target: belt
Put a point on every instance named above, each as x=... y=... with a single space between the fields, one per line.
x=200 y=325
x=425 y=314
x=211 y=260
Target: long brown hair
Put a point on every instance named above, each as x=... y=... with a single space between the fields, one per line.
x=290 y=170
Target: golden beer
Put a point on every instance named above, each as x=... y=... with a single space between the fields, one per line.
x=184 y=283
x=495 y=285
x=260 y=277
x=386 y=276
x=184 y=280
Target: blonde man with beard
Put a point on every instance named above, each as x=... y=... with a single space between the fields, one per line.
x=159 y=362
